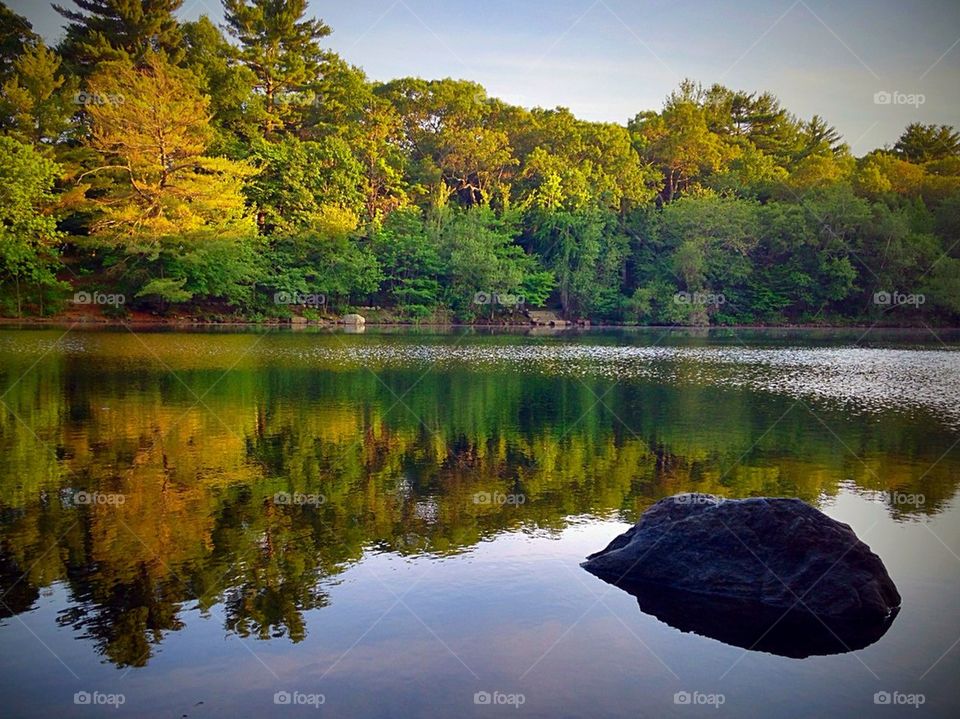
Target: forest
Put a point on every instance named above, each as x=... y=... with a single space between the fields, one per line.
x=247 y=172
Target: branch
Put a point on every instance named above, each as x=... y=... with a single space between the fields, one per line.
x=133 y=181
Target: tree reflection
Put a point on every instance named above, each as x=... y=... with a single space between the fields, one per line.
x=200 y=525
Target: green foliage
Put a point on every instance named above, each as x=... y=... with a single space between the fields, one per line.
x=29 y=252
x=36 y=102
x=332 y=266
x=214 y=173
x=236 y=112
x=481 y=261
x=106 y=30
x=304 y=184
x=586 y=253
x=925 y=143
x=281 y=47
x=166 y=289
x=410 y=261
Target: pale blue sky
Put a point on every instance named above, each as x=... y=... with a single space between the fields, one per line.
x=609 y=59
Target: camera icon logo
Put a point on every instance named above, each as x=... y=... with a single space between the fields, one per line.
x=882 y=97
x=482 y=498
x=882 y=698
x=281 y=697
x=81 y=698
x=681 y=698
x=482 y=698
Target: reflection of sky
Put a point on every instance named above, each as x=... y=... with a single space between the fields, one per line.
x=609 y=59
x=517 y=614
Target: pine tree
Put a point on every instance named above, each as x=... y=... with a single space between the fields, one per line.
x=283 y=50
x=103 y=30
x=16 y=35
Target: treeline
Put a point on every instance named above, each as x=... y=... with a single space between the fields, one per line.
x=250 y=172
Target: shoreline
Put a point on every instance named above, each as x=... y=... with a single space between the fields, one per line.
x=104 y=323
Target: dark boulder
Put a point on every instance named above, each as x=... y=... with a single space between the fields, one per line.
x=763 y=553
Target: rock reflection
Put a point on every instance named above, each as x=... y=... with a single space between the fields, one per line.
x=795 y=633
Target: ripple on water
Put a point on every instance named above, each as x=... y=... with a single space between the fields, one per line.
x=871 y=378
x=865 y=378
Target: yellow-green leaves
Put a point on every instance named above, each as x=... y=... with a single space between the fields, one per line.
x=151 y=125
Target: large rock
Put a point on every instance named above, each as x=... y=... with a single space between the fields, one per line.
x=767 y=552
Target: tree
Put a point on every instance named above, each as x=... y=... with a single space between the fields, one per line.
x=152 y=127
x=456 y=149
x=708 y=243
x=350 y=109
x=805 y=262
x=323 y=261
x=480 y=260
x=236 y=110
x=925 y=143
x=756 y=119
x=410 y=262
x=29 y=253
x=33 y=102
x=818 y=170
x=817 y=138
x=302 y=185
x=204 y=165
x=16 y=35
x=127 y=30
x=283 y=51
x=573 y=164
x=164 y=204
x=571 y=245
x=680 y=143
x=881 y=173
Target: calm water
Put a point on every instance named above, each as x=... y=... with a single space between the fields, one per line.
x=391 y=522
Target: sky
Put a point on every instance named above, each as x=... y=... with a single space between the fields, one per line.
x=869 y=67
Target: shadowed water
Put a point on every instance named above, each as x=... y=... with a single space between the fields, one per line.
x=395 y=520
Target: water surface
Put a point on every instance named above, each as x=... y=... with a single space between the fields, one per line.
x=395 y=520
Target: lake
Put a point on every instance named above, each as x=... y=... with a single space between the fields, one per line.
x=390 y=523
